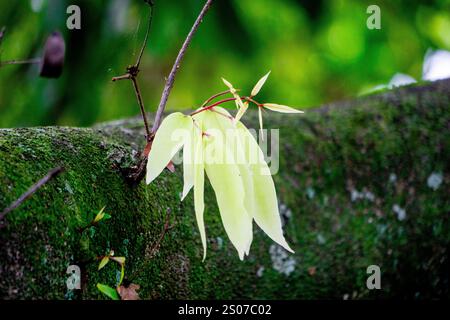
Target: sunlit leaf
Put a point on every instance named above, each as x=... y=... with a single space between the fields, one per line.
x=239 y=103
x=229 y=85
x=259 y=85
x=235 y=148
x=199 y=180
x=100 y=215
x=226 y=180
x=108 y=291
x=188 y=163
x=169 y=138
x=122 y=274
x=265 y=213
x=103 y=262
x=238 y=100
x=281 y=108
x=119 y=260
x=241 y=111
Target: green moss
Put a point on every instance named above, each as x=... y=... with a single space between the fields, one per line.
x=326 y=156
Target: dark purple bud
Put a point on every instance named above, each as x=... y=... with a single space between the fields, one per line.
x=2 y=34
x=53 y=59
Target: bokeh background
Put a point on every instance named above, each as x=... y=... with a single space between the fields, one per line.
x=318 y=51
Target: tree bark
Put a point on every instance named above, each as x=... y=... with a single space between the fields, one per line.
x=361 y=183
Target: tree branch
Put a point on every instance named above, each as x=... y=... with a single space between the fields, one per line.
x=50 y=175
x=171 y=79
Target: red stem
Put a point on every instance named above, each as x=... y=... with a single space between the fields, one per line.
x=223 y=101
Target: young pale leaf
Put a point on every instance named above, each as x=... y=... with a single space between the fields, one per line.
x=226 y=180
x=103 y=262
x=108 y=291
x=238 y=100
x=119 y=260
x=235 y=154
x=169 y=138
x=241 y=111
x=188 y=163
x=229 y=85
x=100 y=215
x=199 y=181
x=265 y=212
x=259 y=85
x=122 y=274
x=281 y=108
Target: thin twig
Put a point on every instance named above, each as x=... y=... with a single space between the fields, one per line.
x=141 y=105
x=133 y=71
x=50 y=175
x=29 y=61
x=215 y=104
x=171 y=79
x=215 y=96
x=122 y=77
x=149 y=26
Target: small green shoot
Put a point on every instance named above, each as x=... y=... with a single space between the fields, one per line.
x=108 y=291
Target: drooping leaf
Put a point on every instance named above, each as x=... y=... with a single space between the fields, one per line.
x=199 y=180
x=169 y=138
x=281 y=108
x=235 y=154
x=103 y=262
x=266 y=212
x=226 y=180
x=188 y=163
x=108 y=291
x=259 y=85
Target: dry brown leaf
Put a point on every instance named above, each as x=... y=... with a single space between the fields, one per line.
x=129 y=293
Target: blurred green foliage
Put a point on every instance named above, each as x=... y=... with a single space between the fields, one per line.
x=319 y=51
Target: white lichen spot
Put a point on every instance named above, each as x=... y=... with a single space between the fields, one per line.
x=401 y=213
x=434 y=180
x=355 y=195
x=310 y=193
x=68 y=187
x=363 y=195
x=260 y=272
x=346 y=296
x=219 y=242
x=285 y=213
x=281 y=260
x=369 y=196
x=320 y=239
x=392 y=178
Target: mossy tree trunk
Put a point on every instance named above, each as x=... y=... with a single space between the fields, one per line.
x=361 y=183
